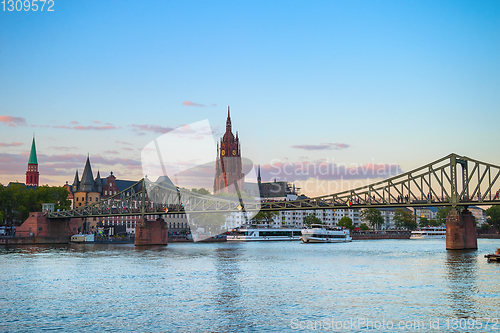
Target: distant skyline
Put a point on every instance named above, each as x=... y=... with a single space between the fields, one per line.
x=370 y=85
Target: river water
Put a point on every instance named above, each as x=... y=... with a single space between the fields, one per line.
x=378 y=285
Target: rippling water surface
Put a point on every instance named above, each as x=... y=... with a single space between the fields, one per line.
x=264 y=286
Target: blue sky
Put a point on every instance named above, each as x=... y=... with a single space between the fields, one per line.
x=395 y=82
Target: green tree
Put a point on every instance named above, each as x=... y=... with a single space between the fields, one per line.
x=364 y=227
x=264 y=217
x=16 y=201
x=404 y=219
x=201 y=190
x=442 y=213
x=346 y=222
x=493 y=214
x=311 y=219
x=424 y=222
x=373 y=216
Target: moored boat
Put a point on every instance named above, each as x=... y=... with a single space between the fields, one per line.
x=82 y=238
x=494 y=256
x=429 y=233
x=319 y=233
x=263 y=234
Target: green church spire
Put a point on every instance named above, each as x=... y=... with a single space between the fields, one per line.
x=33 y=159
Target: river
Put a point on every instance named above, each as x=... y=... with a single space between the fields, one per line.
x=381 y=285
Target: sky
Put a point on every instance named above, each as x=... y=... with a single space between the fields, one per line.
x=368 y=85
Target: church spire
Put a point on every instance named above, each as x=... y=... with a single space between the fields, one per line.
x=32 y=174
x=259 y=180
x=33 y=159
x=228 y=121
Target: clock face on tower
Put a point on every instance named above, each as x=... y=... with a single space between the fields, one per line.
x=234 y=152
x=223 y=152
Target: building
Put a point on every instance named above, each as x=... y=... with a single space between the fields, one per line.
x=229 y=176
x=295 y=218
x=89 y=190
x=479 y=214
x=32 y=174
x=429 y=213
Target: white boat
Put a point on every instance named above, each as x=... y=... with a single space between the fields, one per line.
x=82 y=238
x=263 y=234
x=429 y=233
x=319 y=233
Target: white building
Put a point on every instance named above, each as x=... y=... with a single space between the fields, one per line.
x=479 y=214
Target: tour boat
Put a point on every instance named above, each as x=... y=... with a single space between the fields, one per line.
x=319 y=233
x=263 y=234
x=82 y=238
x=429 y=233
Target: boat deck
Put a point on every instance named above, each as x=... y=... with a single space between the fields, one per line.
x=492 y=257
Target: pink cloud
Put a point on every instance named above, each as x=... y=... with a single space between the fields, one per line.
x=97 y=128
x=114 y=152
x=126 y=148
x=13 y=121
x=13 y=144
x=74 y=122
x=151 y=128
x=323 y=146
x=123 y=143
x=96 y=122
x=189 y=103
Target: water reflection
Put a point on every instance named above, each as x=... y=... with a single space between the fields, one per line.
x=462 y=269
x=228 y=294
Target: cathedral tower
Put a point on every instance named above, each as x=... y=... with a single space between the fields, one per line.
x=32 y=172
x=228 y=168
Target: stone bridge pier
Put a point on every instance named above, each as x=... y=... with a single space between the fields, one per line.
x=461 y=231
x=151 y=232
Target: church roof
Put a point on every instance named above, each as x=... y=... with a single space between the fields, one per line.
x=87 y=181
x=33 y=159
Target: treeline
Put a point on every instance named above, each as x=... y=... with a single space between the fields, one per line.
x=17 y=201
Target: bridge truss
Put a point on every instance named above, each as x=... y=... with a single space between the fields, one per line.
x=450 y=181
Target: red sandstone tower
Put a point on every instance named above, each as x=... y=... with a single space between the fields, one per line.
x=228 y=168
x=32 y=172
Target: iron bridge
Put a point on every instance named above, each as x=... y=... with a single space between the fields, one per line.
x=450 y=181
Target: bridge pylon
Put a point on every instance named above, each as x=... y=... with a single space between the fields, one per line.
x=151 y=232
x=461 y=233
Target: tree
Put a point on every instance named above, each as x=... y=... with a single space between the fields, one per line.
x=201 y=190
x=493 y=214
x=443 y=212
x=311 y=219
x=404 y=219
x=264 y=217
x=346 y=222
x=424 y=222
x=373 y=216
x=364 y=227
x=16 y=201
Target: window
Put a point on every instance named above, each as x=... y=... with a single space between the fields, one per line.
x=90 y=198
